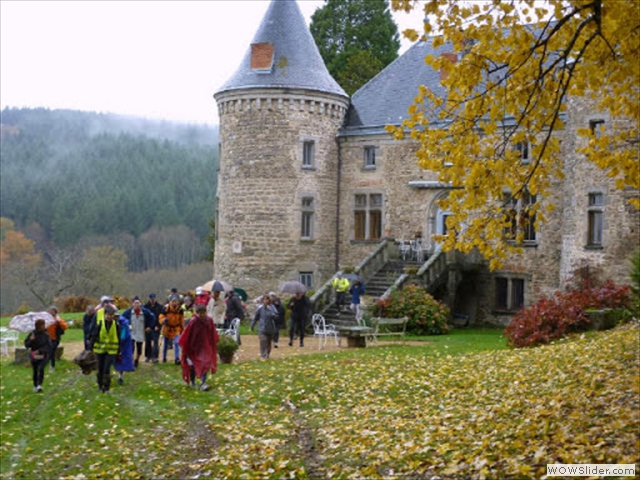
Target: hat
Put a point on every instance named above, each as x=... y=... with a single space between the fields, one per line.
x=110 y=309
x=200 y=307
x=174 y=289
x=199 y=291
x=106 y=298
x=136 y=298
x=272 y=294
x=174 y=297
x=152 y=295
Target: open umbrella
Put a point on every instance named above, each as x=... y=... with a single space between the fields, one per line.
x=217 y=286
x=352 y=277
x=26 y=323
x=241 y=292
x=292 y=286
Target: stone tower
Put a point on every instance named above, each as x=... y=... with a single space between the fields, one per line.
x=278 y=180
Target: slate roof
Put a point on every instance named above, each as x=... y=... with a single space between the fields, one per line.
x=297 y=61
x=386 y=98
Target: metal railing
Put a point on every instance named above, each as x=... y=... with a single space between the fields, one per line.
x=367 y=268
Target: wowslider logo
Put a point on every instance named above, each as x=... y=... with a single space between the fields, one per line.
x=591 y=469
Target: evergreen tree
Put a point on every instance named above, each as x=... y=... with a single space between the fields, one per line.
x=356 y=38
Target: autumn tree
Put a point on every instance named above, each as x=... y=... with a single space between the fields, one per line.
x=509 y=71
x=356 y=38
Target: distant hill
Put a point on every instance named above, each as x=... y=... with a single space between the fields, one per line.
x=78 y=174
x=75 y=123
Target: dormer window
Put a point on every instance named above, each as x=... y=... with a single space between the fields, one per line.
x=370 y=154
x=262 y=57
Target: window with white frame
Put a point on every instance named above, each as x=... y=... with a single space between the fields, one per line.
x=509 y=293
x=306 y=278
x=368 y=216
x=520 y=217
x=307 y=210
x=308 y=153
x=595 y=215
x=370 y=154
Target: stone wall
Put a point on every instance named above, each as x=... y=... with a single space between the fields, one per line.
x=262 y=181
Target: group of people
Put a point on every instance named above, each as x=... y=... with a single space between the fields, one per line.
x=342 y=286
x=184 y=324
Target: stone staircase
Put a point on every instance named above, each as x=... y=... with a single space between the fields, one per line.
x=375 y=287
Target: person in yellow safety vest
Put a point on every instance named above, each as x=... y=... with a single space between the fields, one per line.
x=105 y=343
x=341 y=286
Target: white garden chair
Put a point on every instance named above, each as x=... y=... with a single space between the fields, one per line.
x=233 y=331
x=322 y=330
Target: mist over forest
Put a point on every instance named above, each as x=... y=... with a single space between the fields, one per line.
x=70 y=178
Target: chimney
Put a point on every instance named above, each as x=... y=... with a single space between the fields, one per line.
x=261 y=56
x=453 y=58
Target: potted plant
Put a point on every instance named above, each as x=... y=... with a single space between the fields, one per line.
x=227 y=347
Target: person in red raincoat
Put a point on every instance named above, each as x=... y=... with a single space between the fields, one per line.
x=199 y=348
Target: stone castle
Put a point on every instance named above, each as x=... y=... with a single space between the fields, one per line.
x=310 y=182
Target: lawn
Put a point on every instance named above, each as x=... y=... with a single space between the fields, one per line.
x=457 y=406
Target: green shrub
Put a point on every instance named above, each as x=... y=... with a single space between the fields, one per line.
x=426 y=315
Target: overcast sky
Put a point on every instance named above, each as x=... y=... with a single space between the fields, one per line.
x=155 y=59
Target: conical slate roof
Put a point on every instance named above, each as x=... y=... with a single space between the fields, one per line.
x=296 y=60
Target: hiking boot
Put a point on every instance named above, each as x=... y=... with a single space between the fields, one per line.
x=291 y=344
x=135 y=363
x=147 y=360
x=275 y=345
x=120 y=380
x=39 y=387
x=204 y=387
x=177 y=362
x=164 y=360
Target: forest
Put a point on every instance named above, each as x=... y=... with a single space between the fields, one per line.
x=74 y=180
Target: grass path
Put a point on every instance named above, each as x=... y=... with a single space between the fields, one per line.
x=451 y=408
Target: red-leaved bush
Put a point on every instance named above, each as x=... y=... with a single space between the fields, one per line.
x=564 y=313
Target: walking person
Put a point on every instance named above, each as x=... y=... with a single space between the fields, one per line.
x=188 y=309
x=38 y=342
x=280 y=318
x=234 y=309
x=265 y=317
x=105 y=343
x=124 y=361
x=55 y=331
x=172 y=321
x=299 y=306
x=87 y=321
x=341 y=286
x=140 y=320
x=356 y=291
x=199 y=348
x=152 y=331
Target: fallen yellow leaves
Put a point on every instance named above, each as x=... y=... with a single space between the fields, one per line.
x=492 y=415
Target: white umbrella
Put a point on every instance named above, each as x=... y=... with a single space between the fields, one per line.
x=26 y=323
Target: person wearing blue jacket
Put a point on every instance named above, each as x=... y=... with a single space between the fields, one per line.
x=141 y=320
x=356 y=291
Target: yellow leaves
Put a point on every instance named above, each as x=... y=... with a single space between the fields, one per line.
x=512 y=83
